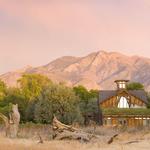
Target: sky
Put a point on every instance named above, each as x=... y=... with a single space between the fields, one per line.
x=35 y=32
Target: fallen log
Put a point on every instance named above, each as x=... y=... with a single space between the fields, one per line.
x=11 y=122
x=73 y=136
x=62 y=131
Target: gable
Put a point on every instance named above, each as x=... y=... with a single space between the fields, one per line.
x=139 y=94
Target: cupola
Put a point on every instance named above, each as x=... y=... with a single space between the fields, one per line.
x=121 y=84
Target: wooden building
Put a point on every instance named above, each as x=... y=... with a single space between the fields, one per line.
x=122 y=107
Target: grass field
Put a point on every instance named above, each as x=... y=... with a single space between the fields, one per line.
x=128 y=139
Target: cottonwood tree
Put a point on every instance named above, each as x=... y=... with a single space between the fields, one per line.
x=88 y=102
x=31 y=85
x=58 y=100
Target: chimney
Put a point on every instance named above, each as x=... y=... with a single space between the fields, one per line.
x=121 y=84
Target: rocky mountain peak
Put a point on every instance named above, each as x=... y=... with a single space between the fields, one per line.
x=97 y=70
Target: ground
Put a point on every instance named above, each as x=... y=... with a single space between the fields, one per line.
x=135 y=139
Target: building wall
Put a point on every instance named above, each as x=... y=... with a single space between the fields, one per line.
x=126 y=121
x=129 y=120
x=113 y=102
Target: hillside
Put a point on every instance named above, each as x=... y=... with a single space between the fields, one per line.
x=97 y=70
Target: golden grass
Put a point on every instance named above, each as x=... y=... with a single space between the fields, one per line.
x=28 y=140
x=27 y=144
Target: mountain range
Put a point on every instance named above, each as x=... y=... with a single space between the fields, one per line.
x=97 y=70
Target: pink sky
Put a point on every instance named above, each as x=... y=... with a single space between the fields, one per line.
x=34 y=32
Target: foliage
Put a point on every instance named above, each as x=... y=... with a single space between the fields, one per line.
x=39 y=99
x=32 y=84
x=87 y=103
x=126 y=111
x=57 y=100
x=29 y=113
x=2 y=89
x=43 y=111
x=135 y=86
x=14 y=96
x=6 y=109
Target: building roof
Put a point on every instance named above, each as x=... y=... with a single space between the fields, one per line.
x=141 y=94
x=121 y=80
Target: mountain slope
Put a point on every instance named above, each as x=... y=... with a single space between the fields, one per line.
x=97 y=70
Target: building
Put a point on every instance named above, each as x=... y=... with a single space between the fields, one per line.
x=122 y=107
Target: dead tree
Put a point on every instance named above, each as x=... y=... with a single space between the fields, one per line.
x=62 y=131
x=11 y=122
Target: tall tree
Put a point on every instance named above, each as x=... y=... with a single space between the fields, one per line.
x=32 y=84
x=88 y=102
x=58 y=100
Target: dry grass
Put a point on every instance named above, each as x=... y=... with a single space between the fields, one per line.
x=28 y=139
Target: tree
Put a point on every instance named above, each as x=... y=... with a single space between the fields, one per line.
x=58 y=100
x=88 y=102
x=43 y=112
x=32 y=84
x=135 y=86
x=2 y=89
x=14 y=96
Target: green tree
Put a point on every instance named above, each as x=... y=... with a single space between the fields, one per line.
x=14 y=96
x=43 y=112
x=135 y=86
x=32 y=84
x=88 y=102
x=2 y=90
x=58 y=100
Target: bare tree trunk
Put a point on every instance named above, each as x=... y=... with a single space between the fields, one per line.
x=12 y=122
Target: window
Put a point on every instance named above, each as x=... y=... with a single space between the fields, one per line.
x=122 y=85
x=122 y=121
x=123 y=103
x=107 y=121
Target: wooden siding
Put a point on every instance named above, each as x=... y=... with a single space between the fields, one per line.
x=129 y=121
x=113 y=102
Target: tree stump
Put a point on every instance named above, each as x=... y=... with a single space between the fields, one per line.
x=12 y=122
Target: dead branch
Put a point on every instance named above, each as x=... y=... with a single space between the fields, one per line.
x=57 y=125
x=40 y=139
x=131 y=142
x=111 y=140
